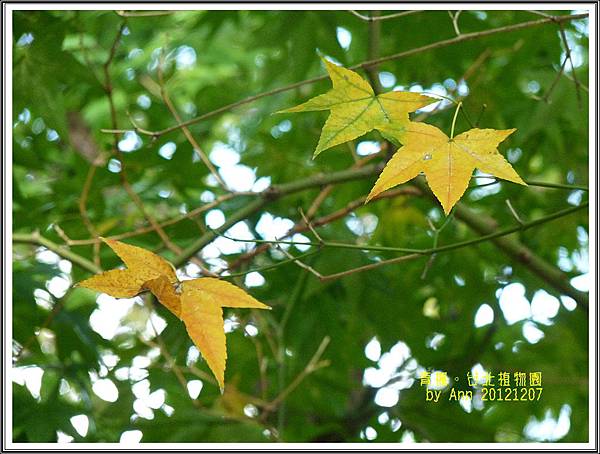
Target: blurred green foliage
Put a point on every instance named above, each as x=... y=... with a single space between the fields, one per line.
x=219 y=57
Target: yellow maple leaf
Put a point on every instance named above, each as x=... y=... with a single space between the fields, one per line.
x=199 y=305
x=356 y=110
x=164 y=290
x=143 y=267
x=448 y=163
x=202 y=301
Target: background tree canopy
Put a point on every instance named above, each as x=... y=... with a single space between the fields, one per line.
x=339 y=358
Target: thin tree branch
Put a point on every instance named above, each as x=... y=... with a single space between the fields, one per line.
x=62 y=251
x=310 y=226
x=56 y=308
x=374 y=36
x=449 y=247
x=313 y=365
x=561 y=71
x=262 y=199
x=541 y=184
x=480 y=60
x=436 y=236
x=274 y=193
x=478 y=222
x=470 y=37
x=363 y=65
x=84 y=215
x=140 y=231
x=454 y=18
x=563 y=37
x=378 y=18
x=569 y=56
x=123 y=172
x=553 y=276
x=360 y=269
x=271 y=194
x=520 y=253
x=172 y=364
x=188 y=135
x=143 y=13
x=581 y=84
x=302 y=227
x=512 y=247
x=264 y=268
x=108 y=88
x=514 y=212
x=192 y=369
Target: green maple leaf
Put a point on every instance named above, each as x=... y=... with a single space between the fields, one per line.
x=356 y=110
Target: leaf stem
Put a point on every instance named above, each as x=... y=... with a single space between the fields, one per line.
x=458 y=106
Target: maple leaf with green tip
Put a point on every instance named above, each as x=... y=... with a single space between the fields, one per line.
x=356 y=109
x=448 y=163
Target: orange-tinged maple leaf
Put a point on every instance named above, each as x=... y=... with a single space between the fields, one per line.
x=448 y=163
x=146 y=264
x=142 y=267
x=223 y=293
x=204 y=323
x=117 y=283
x=199 y=305
x=355 y=109
x=201 y=310
x=165 y=291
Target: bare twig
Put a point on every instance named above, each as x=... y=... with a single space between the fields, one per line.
x=473 y=68
x=84 y=215
x=192 y=369
x=171 y=363
x=123 y=173
x=489 y=232
x=449 y=247
x=262 y=361
x=62 y=251
x=436 y=235
x=309 y=225
x=386 y=17
x=561 y=71
x=581 y=84
x=454 y=18
x=569 y=56
x=540 y=184
x=327 y=219
x=565 y=42
x=342 y=212
x=116 y=150
x=436 y=45
x=143 y=13
x=142 y=230
x=56 y=308
x=313 y=365
x=360 y=269
x=488 y=228
x=61 y=233
x=514 y=212
x=188 y=135
x=481 y=112
x=373 y=52
x=302 y=265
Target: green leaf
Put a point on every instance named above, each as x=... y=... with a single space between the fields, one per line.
x=356 y=109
